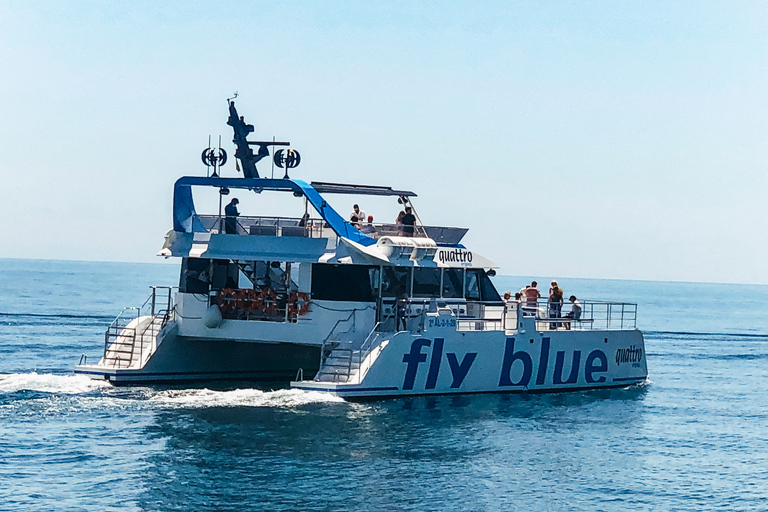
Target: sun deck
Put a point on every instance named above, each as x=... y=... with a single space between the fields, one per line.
x=318 y=228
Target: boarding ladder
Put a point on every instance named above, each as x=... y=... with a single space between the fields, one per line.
x=348 y=361
x=131 y=338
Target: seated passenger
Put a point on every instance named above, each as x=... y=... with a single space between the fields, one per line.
x=575 y=311
x=368 y=226
x=357 y=216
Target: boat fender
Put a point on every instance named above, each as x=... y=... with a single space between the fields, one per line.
x=266 y=300
x=212 y=317
x=298 y=304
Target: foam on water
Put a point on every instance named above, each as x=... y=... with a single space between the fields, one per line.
x=49 y=383
x=242 y=397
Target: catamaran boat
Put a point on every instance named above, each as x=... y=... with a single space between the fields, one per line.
x=360 y=310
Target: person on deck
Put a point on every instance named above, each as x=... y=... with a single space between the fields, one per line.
x=401 y=307
x=408 y=221
x=368 y=228
x=531 y=294
x=357 y=217
x=555 y=303
x=230 y=223
x=575 y=311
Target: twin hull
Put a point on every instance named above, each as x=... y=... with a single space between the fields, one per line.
x=184 y=359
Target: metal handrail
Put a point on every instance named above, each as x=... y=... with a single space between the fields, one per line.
x=119 y=327
x=318 y=228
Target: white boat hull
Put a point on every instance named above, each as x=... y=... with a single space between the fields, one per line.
x=447 y=362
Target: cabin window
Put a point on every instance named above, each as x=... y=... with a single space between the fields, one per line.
x=225 y=275
x=452 y=283
x=471 y=287
x=426 y=282
x=393 y=278
x=487 y=291
x=343 y=282
x=195 y=275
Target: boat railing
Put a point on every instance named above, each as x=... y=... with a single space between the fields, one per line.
x=318 y=228
x=331 y=342
x=472 y=315
x=469 y=314
x=595 y=314
x=128 y=341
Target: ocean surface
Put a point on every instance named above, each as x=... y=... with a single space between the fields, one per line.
x=694 y=438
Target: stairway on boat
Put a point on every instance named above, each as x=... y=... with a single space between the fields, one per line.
x=133 y=344
x=349 y=361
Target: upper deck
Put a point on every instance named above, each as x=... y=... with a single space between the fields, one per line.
x=318 y=228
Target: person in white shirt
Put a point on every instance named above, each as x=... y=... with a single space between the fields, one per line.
x=357 y=217
x=575 y=311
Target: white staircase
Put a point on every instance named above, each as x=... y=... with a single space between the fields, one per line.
x=349 y=361
x=134 y=344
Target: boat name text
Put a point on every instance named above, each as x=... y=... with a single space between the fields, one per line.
x=454 y=255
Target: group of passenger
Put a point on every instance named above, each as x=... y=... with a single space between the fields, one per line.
x=405 y=221
x=529 y=296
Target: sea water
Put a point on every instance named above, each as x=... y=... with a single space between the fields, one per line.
x=694 y=438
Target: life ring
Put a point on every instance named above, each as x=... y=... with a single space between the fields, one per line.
x=266 y=300
x=225 y=300
x=298 y=304
x=247 y=300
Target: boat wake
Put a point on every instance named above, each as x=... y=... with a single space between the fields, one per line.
x=241 y=397
x=33 y=385
x=49 y=383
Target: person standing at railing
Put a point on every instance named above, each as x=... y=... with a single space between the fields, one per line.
x=231 y=213
x=531 y=294
x=408 y=220
x=555 y=303
x=401 y=308
x=575 y=311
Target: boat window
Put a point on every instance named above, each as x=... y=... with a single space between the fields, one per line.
x=488 y=292
x=195 y=275
x=452 y=283
x=342 y=282
x=275 y=275
x=393 y=278
x=426 y=282
x=225 y=275
x=471 y=287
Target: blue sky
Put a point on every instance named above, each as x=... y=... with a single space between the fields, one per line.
x=575 y=139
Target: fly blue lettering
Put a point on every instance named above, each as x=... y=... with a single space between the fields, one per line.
x=596 y=362
x=415 y=357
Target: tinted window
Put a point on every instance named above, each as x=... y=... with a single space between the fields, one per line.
x=426 y=282
x=487 y=290
x=393 y=278
x=452 y=283
x=471 y=288
x=342 y=282
x=195 y=275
